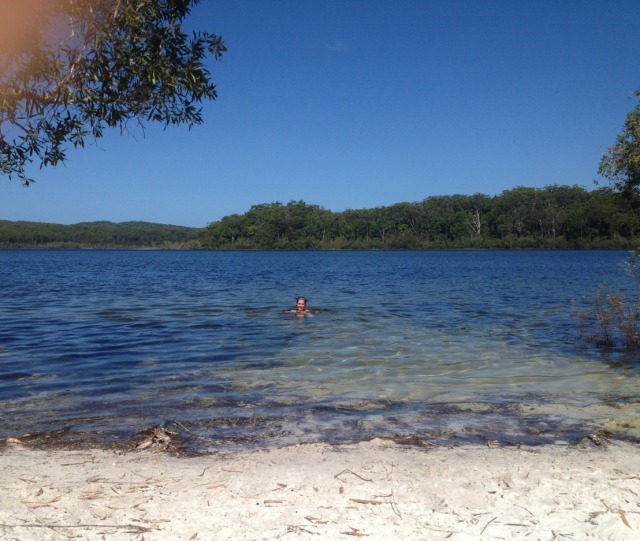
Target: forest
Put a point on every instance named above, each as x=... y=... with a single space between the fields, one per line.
x=97 y=235
x=554 y=217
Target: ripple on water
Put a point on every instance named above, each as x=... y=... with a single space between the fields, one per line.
x=434 y=344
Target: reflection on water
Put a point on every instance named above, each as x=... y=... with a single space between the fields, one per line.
x=443 y=344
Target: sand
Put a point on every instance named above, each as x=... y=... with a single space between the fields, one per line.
x=377 y=490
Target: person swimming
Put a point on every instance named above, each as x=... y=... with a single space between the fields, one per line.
x=301 y=307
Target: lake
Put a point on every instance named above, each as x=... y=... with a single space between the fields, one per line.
x=447 y=346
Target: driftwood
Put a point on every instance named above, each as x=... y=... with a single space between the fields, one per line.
x=158 y=439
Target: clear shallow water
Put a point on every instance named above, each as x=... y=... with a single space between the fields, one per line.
x=445 y=345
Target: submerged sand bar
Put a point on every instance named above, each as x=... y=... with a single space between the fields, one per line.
x=376 y=490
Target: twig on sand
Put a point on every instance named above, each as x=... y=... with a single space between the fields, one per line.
x=522 y=507
x=34 y=505
x=352 y=473
x=132 y=528
x=487 y=524
x=624 y=519
x=355 y=532
x=295 y=528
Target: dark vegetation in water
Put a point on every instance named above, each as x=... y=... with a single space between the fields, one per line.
x=554 y=217
x=613 y=321
x=494 y=426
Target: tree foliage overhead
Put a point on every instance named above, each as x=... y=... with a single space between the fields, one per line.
x=621 y=163
x=72 y=68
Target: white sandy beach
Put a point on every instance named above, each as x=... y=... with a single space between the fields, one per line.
x=376 y=490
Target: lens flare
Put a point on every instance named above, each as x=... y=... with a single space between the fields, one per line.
x=22 y=23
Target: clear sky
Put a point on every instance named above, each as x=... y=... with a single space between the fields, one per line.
x=366 y=103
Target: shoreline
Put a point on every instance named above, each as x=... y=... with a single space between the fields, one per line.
x=178 y=440
x=375 y=490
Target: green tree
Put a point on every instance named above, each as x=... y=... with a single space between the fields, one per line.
x=551 y=217
x=557 y=203
x=518 y=209
x=81 y=66
x=621 y=164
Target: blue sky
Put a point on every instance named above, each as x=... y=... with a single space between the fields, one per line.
x=365 y=103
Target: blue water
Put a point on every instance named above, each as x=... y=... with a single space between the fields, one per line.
x=446 y=345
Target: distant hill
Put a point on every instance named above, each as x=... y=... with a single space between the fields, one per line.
x=553 y=217
x=97 y=235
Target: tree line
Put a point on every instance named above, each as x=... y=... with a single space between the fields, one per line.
x=554 y=217
x=551 y=217
x=97 y=235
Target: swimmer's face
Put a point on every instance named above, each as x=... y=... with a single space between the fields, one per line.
x=301 y=305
